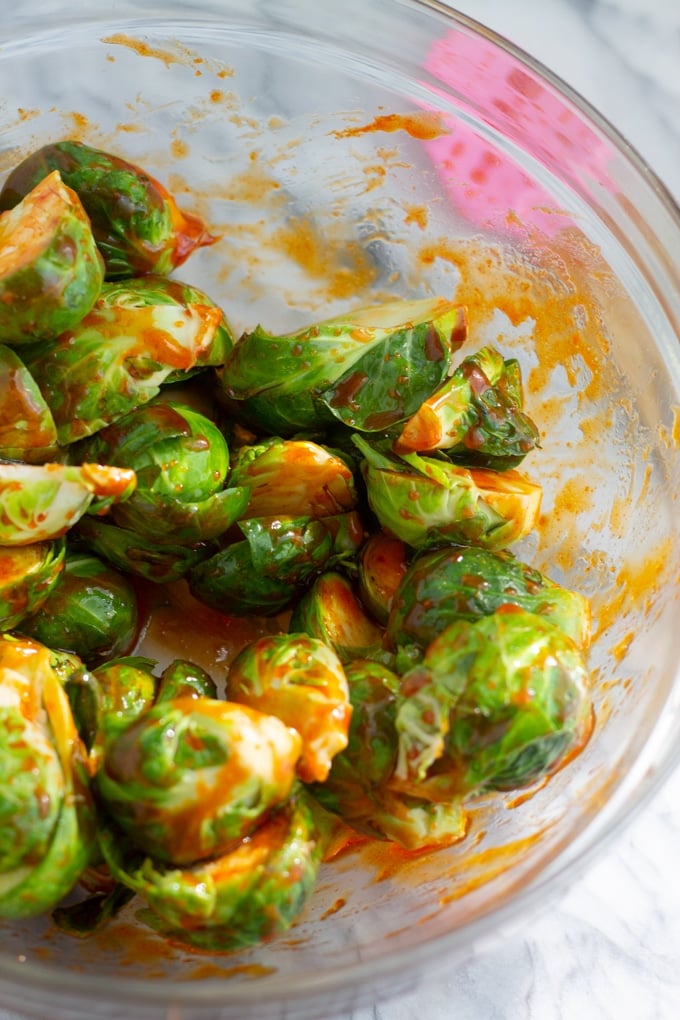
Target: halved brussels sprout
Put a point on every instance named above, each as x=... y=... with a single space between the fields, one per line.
x=91 y=610
x=27 y=429
x=423 y=500
x=181 y=462
x=151 y=291
x=298 y=478
x=464 y=583
x=193 y=775
x=301 y=681
x=370 y=368
x=47 y=826
x=382 y=566
x=41 y=502
x=117 y=358
x=476 y=415
x=496 y=704
x=50 y=270
x=330 y=611
x=359 y=788
x=250 y=893
x=137 y=224
x=27 y=575
x=262 y=573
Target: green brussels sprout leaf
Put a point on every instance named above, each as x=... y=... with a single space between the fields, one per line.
x=50 y=270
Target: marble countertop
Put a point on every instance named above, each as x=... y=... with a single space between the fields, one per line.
x=610 y=949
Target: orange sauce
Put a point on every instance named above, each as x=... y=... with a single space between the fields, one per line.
x=635 y=584
x=340 y=265
x=422 y=125
x=144 y=49
x=334 y=908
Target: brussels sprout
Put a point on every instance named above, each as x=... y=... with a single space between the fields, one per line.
x=91 y=610
x=369 y=369
x=463 y=583
x=360 y=787
x=117 y=358
x=27 y=429
x=152 y=291
x=423 y=500
x=181 y=461
x=28 y=573
x=136 y=223
x=106 y=700
x=184 y=679
x=301 y=681
x=191 y=776
x=41 y=502
x=298 y=478
x=496 y=704
x=372 y=747
x=50 y=270
x=330 y=611
x=262 y=573
x=382 y=567
x=476 y=415
x=250 y=893
x=46 y=815
x=135 y=554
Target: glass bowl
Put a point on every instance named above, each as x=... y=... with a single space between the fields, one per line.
x=345 y=154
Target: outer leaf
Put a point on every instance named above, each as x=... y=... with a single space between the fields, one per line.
x=262 y=573
x=370 y=368
x=360 y=787
x=108 y=699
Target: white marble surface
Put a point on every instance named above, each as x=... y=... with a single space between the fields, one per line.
x=610 y=949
